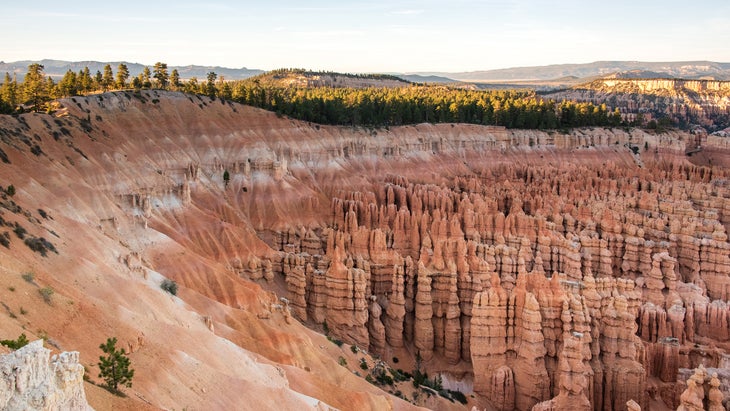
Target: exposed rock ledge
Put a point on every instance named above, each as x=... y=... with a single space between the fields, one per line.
x=29 y=381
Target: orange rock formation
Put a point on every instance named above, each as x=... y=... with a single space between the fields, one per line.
x=573 y=274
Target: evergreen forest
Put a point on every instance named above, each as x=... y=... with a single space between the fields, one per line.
x=372 y=107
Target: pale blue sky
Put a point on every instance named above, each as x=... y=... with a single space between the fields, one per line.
x=367 y=36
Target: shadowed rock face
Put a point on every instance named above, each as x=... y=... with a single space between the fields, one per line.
x=556 y=269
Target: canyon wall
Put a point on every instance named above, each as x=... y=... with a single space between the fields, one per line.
x=577 y=270
x=685 y=102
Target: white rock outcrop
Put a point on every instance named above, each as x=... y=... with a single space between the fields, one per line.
x=29 y=381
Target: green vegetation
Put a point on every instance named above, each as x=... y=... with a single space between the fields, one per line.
x=161 y=76
x=114 y=366
x=382 y=107
x=22 y=341
x=40 y=245
x=46 y=293
x=169 y=285
x=20 y=231
x=28 y=277
x=226 y=177
x=5 y=239
x=371 y=107
x=335 y=341
x=458 y=396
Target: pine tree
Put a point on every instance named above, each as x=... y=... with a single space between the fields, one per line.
x=34 y=86
x=175 y=79
x=161 y=76
x=98 y=78
x=68 y=84
x=9 y=93
x=122 y=75
x=144 y=77
x=210 y=85
x=114 y=367
x=86 y=83
x=107 y=79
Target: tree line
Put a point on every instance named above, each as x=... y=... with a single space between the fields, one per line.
x=37 y=90
x=413 y=104
x=375 y=106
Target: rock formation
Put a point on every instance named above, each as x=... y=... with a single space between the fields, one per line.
x=705 y=391
x=30 y=381
x=573 y=273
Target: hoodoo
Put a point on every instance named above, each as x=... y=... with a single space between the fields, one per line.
x=524 y=269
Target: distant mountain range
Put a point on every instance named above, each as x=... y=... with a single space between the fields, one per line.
x=681 y=69
x=57 y=68
x=528 y=76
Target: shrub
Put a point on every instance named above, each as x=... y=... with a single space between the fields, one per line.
x=46 y=293
x=5 y=239
x=398 y=375
x=335 y=341
x=363 y=364
x=16 y=344
x=405 y=374
x=384 y=379
x=10 y=190
x=40 y=245
x=354 y=349
x=342 y=361
x=20 y=231
x=29 y=277
x=458 y=396
x=419 y=378
x=169 y=285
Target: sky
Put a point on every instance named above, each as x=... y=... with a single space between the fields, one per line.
x=366 y=36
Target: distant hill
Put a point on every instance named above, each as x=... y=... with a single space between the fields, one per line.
x=417 y=78
x=639 y=74
x=306 y=78
x=681 y=69
x=57 y=68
